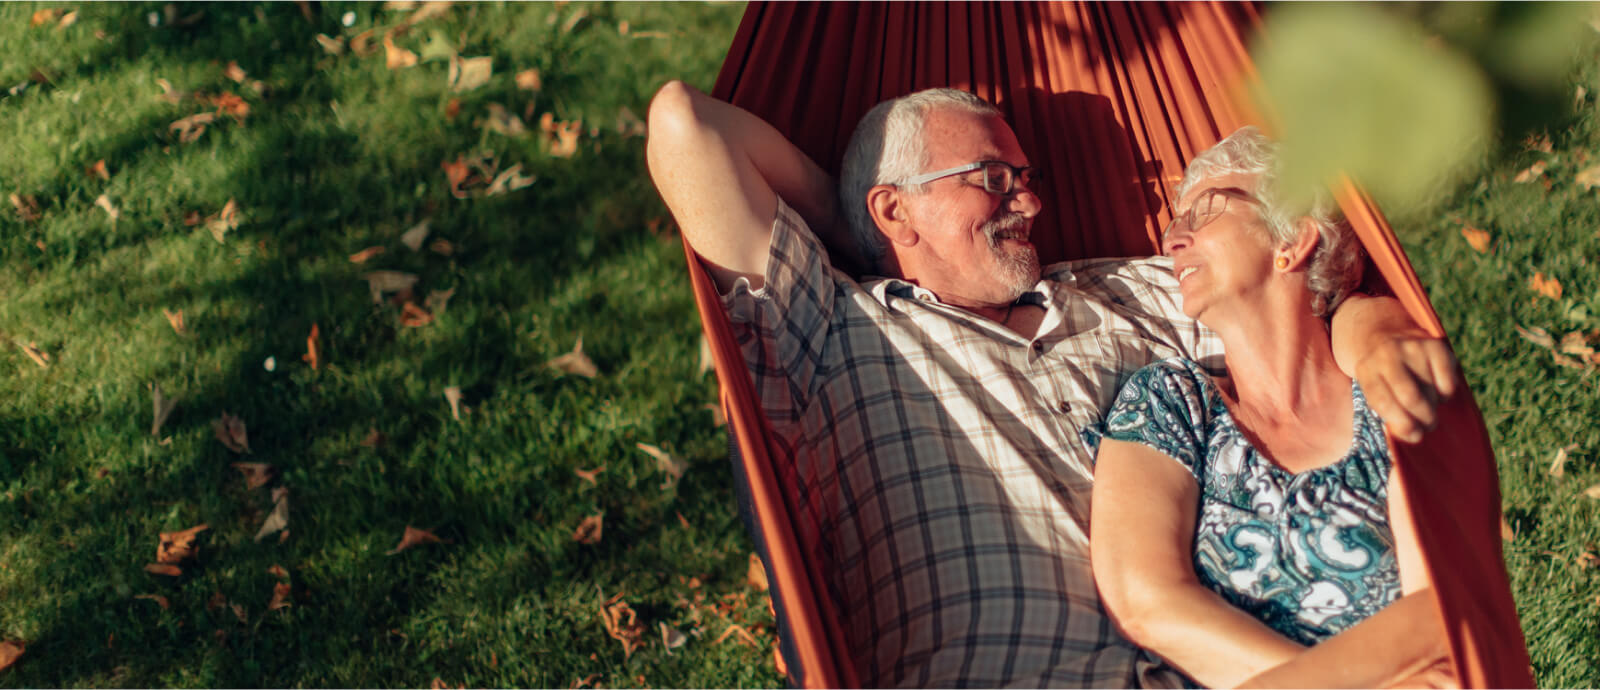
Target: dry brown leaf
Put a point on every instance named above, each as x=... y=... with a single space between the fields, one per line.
x=177 y=547
x=415 y=537
x=593 y=678
x=428 y=10
x=381 y=282
x=528 y=80
x=502 y=121
x=233 y=105
x=10 y=652
x=278 y=572
x=672 y=638
x=438 y=300
x=163 y=569
x=175 y=318
x=442 y=247
x=575 y=362
x=1549 y=287
x=589 y=475
x=452 y=109
x=191 y=127
x=313 y=355
x=1576 y=343
x=162 y=407
x=1593 y=491
x=374 y=439
x=414 y=316
x=414 y=237
x=224 y=221
x=231 y=432
x=38 y=356
x=1588 y=178
x=466 y=74
x=1531 y=173
x=280 y=597
x=104 y=202
x=1479 y=239
x=1537 y=336
x=590 y=530
x=1588 y=559
x=233 y=71
x=1540 y=143
x=756 y=574
x=1506 y=533
x=157 y=598
x=170 y=94
x=256 y=474
x=622 y=624
x=453 y=396
x=683 y=521
x=46 y=16
x=572 y=21
x=1558 y=466
x=560 y=138
x=396 y=57
x=744 y=635
x=333 y=46
x=27 y=207
x=98 y=170
x=622 y=27
x=278 y=519
x=510 y=180
x=672 y=465
x=362 y=256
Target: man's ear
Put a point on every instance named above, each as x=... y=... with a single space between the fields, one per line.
x=890 y=214
x=1304 y=246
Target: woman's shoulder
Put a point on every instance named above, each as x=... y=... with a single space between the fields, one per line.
x=1174 y=374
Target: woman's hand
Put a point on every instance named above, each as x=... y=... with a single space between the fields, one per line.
x=1403 y=371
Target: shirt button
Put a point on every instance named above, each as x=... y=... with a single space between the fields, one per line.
x=1063 y=407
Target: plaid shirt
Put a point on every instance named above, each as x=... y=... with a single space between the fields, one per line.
x=935 y=464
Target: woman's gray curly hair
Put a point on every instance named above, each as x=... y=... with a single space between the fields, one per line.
x=1336 y=265
x=887 y=147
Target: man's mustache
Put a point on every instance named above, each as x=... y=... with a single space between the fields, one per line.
x=1010 y=222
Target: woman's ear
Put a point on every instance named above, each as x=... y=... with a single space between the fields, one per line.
x=1295 y=255
x=889 y=213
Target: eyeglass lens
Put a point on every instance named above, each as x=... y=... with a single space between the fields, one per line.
x=1000 y=178
x=1202 y=211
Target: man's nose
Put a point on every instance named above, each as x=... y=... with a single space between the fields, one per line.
x=1025 y=202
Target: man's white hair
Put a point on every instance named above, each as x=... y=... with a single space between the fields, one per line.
x=1336 y=265
x=888 y=147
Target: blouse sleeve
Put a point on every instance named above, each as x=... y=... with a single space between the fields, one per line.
x=1163 y=406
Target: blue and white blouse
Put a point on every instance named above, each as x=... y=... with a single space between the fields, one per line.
x=1309 y=554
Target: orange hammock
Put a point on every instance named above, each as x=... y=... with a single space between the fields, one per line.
x=1113 y=100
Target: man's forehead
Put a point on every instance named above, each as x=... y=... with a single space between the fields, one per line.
x=971 y=136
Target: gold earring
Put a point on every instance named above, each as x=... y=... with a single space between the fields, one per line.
x=1282 y=262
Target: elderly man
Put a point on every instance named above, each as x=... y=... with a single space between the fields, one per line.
x=929 y=421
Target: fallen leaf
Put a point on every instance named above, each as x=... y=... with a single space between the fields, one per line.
x=572 y=21
x=1537 y=336
x=414 y=316
x=1588 y=559
x=313 y=355
x=191 y=127
x=162 y=408
x=98 y=170
x=396 y=57
x=502 y=121
x=1593 y=491
x=163 y=569
x=335 y=46
x=756 y=574
x=683 y=521
x=510 y=180
x=1531 y=173
x=280 y=596
x=528 y=80
x=589 y=531
x=165 y=605
x=494 y=660
x=672 y=638
x=362 y=256
x=1540 y=143
x=575 y=362
x=381 y=282
x=442 y=247
x=1549 y=287
x=622 y=28
x=104 y=202
x=233 y=105
x=673 y=466
x=622 y=624
x=278 y=572
x=231 y=432
x=224 y=221
x=10 y=652
x=744 y=635
x=428 y=10
x=175 y=318
x=232 y=71
x=1588 y=178
x=1479 y=239
x=453 y=396
x=45 y=16
x=560 y=138
x=414 y=537
x=589 y=475
x=413 y=238
x=466 y=74
x=278 y=519
x=1576 y=343
x=170 y=94
x=438 y=300
x=34 y=353
x=593 y=678
x=256 y=474
x=177 y=547
x=361 y=44
x=27 y=207
x=374 y=439
x=283 y=536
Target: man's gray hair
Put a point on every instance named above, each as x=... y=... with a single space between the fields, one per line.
x=888 y=147
x=1336 y=265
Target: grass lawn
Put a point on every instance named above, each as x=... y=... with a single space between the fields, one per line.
x=339 y=153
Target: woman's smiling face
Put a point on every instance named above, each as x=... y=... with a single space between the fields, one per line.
x=1230 y=251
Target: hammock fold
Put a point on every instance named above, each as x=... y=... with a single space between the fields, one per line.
x=1111 y=101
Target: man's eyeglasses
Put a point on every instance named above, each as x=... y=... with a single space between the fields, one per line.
x=999 y=177
x=1210 y=204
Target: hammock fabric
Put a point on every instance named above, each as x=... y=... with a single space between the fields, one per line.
x=1112 y=100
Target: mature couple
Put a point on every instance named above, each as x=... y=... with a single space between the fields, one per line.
x=939 y=426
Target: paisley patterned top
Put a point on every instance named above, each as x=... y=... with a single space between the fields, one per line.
x=1309 y=554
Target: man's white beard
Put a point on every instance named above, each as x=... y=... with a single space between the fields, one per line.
x=1019 y=268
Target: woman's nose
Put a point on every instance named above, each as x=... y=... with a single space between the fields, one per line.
x=1176 y=237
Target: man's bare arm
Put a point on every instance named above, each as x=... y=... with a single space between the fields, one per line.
x=721 y=171
x=1403 y=371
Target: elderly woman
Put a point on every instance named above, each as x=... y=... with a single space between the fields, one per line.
x=1246 y=526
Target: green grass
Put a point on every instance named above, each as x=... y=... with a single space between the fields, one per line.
x=342 y=154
